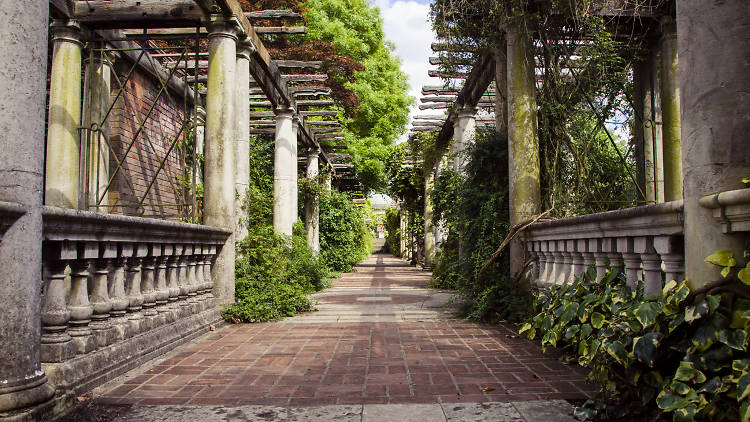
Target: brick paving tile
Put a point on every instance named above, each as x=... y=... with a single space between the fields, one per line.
x=299 y=362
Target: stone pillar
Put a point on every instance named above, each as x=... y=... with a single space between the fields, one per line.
x=285 y=173
x=715 y=115
x=200 y=140
x=97 y=102
x=218 y=207
x=63 y=139
x=440 y=230
x=242 y=151
x=429 y=234
x=312 y=206
x=464 y=133
x=669 y=85
x=501 y=86
x=640 y=79
x=652 y=135
x=23 y=73
x=328 y=179
x=403 y=227
x=523 y=149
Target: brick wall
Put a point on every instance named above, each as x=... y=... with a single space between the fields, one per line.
x=141 y=163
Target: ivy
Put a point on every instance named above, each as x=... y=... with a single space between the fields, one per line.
x=683 y=353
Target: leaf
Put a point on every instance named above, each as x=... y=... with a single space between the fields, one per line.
x=669 y=402
x=697 y=311
x=668 y=287
x=713 y=385
x=744 y=274
x=723 y=258
x=597 y=320
x=743 y=386
x=617 y=351
x=646 y=313
x=687 y=372
x=569 y=312
x=685 y=414
x=572 y=331
x=644 y=348
x=585 y=330
x=745 y=412
x=733 y=338
x=725 y=271
x=525 y=327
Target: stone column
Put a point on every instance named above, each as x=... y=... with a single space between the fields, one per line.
x=97 y=102
x=23 y=73
x=285 y=173
x=523 y=149
x=440 y=230
x=669 y=85
x=63 y=139
x=464 y=133
x=640 y=81
x=242 y=118
x=328 y=180
x=403 y=227
x=715 y=115
x=429 y=234
x=501 y=86
x=652 y=135
x=218 y=207
x=200 y=140
x=312 y=206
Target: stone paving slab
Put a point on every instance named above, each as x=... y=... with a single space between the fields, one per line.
x=490 y=412
x=401 y=348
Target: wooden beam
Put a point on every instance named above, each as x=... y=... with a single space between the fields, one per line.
x=454 y=47
x=315 y=103
x=305 y=78
x=255 y=104
x=263 y=123
x=259 y=114
x=61 y=9
x=333 y=130
x=319 y=113
x=299 y=64
x=445 y=60
x=323 y=123
x=281 y=29
x=273 y=14
x=446 y=75
x=262 y=131
x=139 y=14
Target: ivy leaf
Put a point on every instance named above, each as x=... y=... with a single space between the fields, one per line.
x=586 y=330
x=724 y=258
x=687 y=372
x=597 y=320
x=698 y=311
x=617 y=351
x=733 y=338
x=725 y=271
x=646 y=313
x=572 y=331
x=713 y=302
x=712 y=386
x=745 y=411
x=743 y=386
x=525 y=327
x=744 y=274
x=569 y=312
x=644 y=348
x=669 y=402
x=668 y=287
x=685 y=414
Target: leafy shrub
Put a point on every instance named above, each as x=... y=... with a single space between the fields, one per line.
x=392 y=222
x=344 y=237
x=685 y=353
x=272 y=279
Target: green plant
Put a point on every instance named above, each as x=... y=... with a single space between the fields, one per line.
x=392 y=222
x=344 y=237
x=685 y=353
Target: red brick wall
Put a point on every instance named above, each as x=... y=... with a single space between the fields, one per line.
x=141 y=163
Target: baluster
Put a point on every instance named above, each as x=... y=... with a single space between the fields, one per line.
x=644 y=245
x=545 y=275
x=101 y=327
x=632 y=260
x=117 y=296
x=182 y=280
x=148 y=267
x=671 y=249
x=588 y=256
x=600 y=257
x=609 y=246
x=577 y=266
x=567 y=262
x=133 y=286
x=532 y=273
x=557 y=274
x=207 y=264
x=162 y=291
x=200 y=280
x=79 y=306
x=57 y=345
x=192 y=283
x=172 y=281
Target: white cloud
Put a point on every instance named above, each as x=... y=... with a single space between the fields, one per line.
x=406 y=24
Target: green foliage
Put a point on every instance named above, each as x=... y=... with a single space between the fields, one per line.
x=682 y=352
x=392 y=222
x=475 y=211
x=344 y=237
x=272 y=279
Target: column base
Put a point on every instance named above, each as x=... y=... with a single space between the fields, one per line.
x=25 y=393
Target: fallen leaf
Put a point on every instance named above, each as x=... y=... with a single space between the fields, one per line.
x=486 y=389
x=212 y=328
x=81 y=398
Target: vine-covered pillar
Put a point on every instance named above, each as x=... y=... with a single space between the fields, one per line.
x=218 y=207
x=63 y=138
x=464 y=133
x=501 y=86
x=285 y=172
x=715 y=114
x=669 y=85
x=523 y=150
x=242 y=155
x=440 y=231
x=312 y=205
x=429 y=234
x=97 y=101
x=23 y=73
x=403 y=230
x=200 y=140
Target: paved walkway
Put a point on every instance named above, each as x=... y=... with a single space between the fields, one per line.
x=379 y=341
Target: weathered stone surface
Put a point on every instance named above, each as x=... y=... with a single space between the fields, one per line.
x=285 y=173
x=402 y=413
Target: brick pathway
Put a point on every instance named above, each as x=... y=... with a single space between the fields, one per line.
x=379 y=337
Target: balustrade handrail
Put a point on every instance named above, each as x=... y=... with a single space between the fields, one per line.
x=73 y=225
x=647 y=220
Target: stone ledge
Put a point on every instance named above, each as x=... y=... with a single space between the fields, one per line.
x=731 y=209
x=85 y=372
x=647 y=220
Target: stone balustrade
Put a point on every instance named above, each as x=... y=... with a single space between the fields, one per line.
x=647 y=241
x=117 y=286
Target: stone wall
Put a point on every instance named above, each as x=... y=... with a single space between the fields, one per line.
x=142 y=162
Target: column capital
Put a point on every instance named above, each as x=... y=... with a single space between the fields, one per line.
x=65 y=30
x=282 y=111
x=467 y=111
x=245 y=47
x=201 y=115
x=220 y=26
